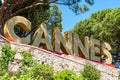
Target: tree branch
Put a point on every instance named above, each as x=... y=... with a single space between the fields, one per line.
x=53 y=1
x=68 y=4
x=28 y=7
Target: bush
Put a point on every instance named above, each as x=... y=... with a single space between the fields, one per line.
x=5 y=77
x=38 y=72
x=27 y=62
x=27 y=59
x=30 y=70
x=41 y=72
x=6 y=56
x=13 y=78
x=65 y=75
x=90 y=72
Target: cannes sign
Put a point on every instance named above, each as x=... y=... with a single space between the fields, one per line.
x=70 y=43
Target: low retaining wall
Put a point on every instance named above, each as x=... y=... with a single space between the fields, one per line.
x=59 y=61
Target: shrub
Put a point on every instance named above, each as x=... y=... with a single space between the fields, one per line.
x=65 y=75
x=6 y=56
x=13 y=78
x=5 y=77
x=41 y=72
x=38 y=72
x=30 y=70
x=25 y=77
x=90 y=72
x=27 y=62
x=27 y=59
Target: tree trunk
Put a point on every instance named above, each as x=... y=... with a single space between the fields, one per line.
x=1 y=22
x=4 y=16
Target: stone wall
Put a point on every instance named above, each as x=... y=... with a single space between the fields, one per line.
x=58 y=60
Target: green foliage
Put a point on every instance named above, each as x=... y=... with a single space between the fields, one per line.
x=119 y=76
x=13 y=78
x=38 y=11
x=75 y=5
x=52 y=17
x=82 y=78
x=40 y=15
x=27 y=59
x=6 y=56
x=90 y=72
x=66 y=75
x=36 y=16
x=27 y=62
x=30 y=70
x=41 y=72
x=38 y=72
x=25 y=77
x=103 y=25
x=55 y=18
x=5 y=77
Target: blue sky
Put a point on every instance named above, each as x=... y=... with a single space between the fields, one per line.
x=69 y=19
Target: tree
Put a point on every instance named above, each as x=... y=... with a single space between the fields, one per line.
x=36 y=8
x=52 y=17
x=103 y=25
